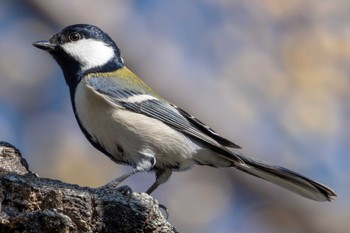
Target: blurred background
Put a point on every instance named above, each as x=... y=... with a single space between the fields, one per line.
x=273 y=76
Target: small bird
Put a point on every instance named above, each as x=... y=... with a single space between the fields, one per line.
x=126 y=120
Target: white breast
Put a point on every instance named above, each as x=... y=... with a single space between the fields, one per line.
x=112 y=126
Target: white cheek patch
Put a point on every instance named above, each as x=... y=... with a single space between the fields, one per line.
x=89 y=53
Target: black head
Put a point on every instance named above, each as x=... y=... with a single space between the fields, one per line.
x=82 y=48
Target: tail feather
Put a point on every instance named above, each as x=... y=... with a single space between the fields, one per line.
x=287 y=179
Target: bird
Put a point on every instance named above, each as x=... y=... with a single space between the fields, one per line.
x=122 y=117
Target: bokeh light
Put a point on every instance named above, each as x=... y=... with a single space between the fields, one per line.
x=273 y=76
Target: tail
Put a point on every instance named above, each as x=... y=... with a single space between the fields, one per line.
x=287 y=179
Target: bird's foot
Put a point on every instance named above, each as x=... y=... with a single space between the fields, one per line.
x=111 y=185
x=125 y=190
x=165 y=209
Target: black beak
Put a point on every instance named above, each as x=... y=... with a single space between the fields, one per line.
x=45 y=45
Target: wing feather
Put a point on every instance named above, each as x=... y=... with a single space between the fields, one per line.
x=167 y=113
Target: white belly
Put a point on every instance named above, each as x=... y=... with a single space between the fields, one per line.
x=114 y=128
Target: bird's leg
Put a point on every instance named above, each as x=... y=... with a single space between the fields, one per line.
x=114 y=183
x=146 y=163
x=162 y=175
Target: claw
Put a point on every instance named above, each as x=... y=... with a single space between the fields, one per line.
x=165 y=209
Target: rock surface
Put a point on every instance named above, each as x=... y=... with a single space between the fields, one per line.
x=33 y=204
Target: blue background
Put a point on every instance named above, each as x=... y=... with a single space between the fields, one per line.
x=272 y=75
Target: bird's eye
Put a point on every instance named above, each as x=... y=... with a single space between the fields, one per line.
x=74 y=36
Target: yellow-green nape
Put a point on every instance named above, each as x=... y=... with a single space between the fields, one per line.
x=126 y=79
x=123 y=72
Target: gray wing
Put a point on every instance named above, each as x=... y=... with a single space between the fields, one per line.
x=143 y=103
